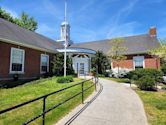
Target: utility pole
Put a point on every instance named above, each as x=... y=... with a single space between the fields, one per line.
x=65 y=44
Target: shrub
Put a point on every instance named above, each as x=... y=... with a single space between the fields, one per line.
x=70 y=71
x=93 y=70
x=152 y=73
x=146 y=83
x=163 y=69
x=125 y=80
x=100 y=75
x=66 y=79
x=164 y=87
x=106 y=74
x=134 y=77
x=48 y=74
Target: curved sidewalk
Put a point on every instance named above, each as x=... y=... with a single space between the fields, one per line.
x=117 y=104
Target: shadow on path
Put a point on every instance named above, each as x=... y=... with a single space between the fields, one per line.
x=87 y=104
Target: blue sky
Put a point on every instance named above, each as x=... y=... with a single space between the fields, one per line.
x=93 y=19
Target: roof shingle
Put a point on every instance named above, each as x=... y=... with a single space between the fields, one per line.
x=134 y=44
x=17 y=34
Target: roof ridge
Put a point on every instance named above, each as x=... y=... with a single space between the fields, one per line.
x=104 y=40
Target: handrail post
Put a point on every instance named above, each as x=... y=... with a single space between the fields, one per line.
x=44 y=107
x=82 y=92
x=95 y=84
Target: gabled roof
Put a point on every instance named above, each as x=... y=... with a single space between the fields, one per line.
x=15 y=34
x=135 y=44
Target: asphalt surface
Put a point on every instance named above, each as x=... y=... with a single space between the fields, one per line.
x=112 y=104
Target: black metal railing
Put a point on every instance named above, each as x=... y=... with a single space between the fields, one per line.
x=44 y=110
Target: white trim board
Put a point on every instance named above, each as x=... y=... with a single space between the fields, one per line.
x=41 y=63
x=26 y=45
x=23 y=63
x=138 y=57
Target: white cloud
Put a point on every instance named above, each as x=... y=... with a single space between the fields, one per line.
x=162 y=32
x=114 y=26
x=117 y=25
x=124 y=12
x=47 y=30
x=125 y=29
x=83 y=34
x=53 y=9
x=153 y=1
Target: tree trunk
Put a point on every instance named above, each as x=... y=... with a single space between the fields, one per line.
x=118 y=69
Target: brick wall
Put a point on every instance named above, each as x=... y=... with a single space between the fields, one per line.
x=127 y=63
x=32 y=61
x=150 y=62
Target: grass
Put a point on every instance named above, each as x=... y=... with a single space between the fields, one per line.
x=120 y=80
x=31 y=90
x=155 y=106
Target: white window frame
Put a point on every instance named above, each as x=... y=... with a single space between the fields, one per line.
x=41 y=63
x=23 y=62
x=138 y=57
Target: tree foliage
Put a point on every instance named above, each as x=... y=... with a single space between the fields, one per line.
x=101 y=61
x=161 y=51
x=24 y=21
x=117 y=51
x=58 y=65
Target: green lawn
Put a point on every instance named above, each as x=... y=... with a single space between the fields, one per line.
x=155 y=106
x=121 y=80
x=31 y=90
x=154 y=103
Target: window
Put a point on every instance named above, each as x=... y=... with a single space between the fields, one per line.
x=81 y=68
x=44 y=63
x=17 y=60
x=138 y=62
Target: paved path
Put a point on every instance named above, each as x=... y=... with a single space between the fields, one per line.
x=117 y=104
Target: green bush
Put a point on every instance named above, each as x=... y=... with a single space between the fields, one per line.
x=146 y=83
x=66 y=79
x=93 y=70
x=106 y=74
x=163 y=68
x=100 y=75
x=164 y=87
x=152 y=73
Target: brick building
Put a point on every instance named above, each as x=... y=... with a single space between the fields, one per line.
x=24 y=52
x=29 y=54
x=137 y=51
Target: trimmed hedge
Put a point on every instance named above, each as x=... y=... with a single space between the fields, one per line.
x=66 y=79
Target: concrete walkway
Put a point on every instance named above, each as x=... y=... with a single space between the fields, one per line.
x=117 y=104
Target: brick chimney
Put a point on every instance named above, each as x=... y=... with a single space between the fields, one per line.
x=152 y=32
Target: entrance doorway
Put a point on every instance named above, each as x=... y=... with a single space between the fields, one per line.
x=81 y=68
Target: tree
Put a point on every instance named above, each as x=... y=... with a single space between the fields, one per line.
x=25 y=21
x=159 y=52
x=5 y=15
x=58 y=65
x=28 y=22
x=117 y=51
x=101 y=61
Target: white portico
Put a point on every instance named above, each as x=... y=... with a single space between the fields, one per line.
x=81 y=59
